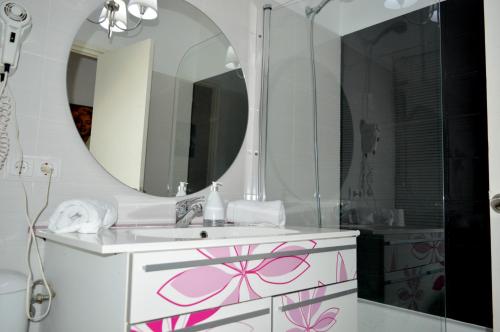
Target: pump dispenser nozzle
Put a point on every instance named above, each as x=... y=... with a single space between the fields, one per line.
x=215 y=186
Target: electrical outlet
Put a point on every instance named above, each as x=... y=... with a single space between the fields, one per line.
x=43 y=165
x=24 y=167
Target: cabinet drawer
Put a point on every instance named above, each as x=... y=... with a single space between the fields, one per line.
x=420 y=287
x=325 y=308
x=176 y=282
x=243 y=317
x=403 y=251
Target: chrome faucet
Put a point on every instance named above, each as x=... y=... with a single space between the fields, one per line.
x=187 y=209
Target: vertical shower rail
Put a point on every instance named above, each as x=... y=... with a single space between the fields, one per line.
x=311 y=14
x=264 y=98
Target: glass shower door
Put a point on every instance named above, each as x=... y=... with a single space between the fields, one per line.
x=291 y=170
x=377 y=150
x=392 y=188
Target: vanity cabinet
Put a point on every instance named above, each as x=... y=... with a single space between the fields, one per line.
x=239 y=287
x=196 y=279
x=324 y=308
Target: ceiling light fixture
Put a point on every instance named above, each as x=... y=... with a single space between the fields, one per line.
x=113 y=17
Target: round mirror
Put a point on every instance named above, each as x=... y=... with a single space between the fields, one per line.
x=160 y=98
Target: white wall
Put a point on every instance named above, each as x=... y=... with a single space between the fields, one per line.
x=204 y=60
x=492 y=28
x=161 y=105
x=360 y=14
x=47 y=129
x=181 y=132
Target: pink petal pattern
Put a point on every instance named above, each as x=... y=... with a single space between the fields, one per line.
x=307 y=319
x=230 y=283
x=326 y=320
x=187 y=284
x=411 y=294
x=341 y=269
x=295 y=316
x=200 y=316
x=156 y=326
x=431 y=251
x=318 y=292
x=175 y=323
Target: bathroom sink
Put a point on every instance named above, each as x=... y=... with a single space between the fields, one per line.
x=211 y=232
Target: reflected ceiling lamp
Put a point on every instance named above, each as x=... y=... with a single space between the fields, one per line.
x=113 y=17
x=231 y=59
x=399 y=4
x=435 y=15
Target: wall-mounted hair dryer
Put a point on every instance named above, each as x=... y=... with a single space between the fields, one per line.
x=15 y=24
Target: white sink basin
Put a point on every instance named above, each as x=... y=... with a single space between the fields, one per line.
x=211 y=232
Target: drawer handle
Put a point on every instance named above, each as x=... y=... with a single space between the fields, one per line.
x=317 y=300
x=205 y=262
x=225 y=321
x=414 y=241
x=417 y=276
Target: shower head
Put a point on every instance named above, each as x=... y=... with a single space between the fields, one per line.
x=315 y=10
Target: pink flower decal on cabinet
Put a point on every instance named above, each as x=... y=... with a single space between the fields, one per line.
x=175 y=323
x=180 y=322
x=230 y=283
x=310 y=318
x=341 y=269
x=411 y=295
x=431 y=251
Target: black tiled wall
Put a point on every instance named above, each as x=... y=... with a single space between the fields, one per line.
x=468 y=272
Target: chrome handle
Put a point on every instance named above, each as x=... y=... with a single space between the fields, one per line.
x=317 y=300
x=226 y=321
x=234 y=259
x=495 y=203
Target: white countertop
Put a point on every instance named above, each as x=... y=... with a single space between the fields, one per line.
x=125 y=239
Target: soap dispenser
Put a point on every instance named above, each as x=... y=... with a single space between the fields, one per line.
x=214 y=206
x=181 y=190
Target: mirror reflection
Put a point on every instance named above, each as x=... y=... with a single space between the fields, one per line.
x=163 y=103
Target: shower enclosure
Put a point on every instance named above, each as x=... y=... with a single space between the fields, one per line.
x=368 y=123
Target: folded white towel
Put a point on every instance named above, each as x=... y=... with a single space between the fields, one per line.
x=256 y=212
x=82 y=216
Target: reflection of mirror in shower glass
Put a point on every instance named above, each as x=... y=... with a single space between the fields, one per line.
x=391 y=75
x=347 y=138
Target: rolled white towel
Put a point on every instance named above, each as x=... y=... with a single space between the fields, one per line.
x=82 y=216
x=255 y=212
